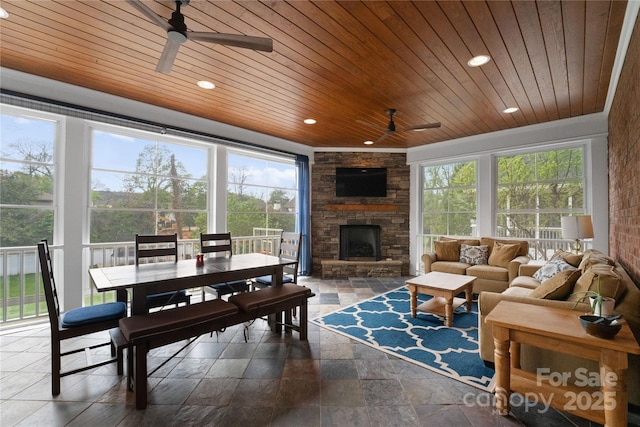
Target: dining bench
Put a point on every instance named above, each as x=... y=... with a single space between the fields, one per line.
x=147 y=331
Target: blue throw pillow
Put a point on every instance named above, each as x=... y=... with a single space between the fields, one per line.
x=552 y=268
x=94 y=314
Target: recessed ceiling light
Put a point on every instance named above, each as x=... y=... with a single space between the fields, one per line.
x=206 y=85
x=309 y=121
x=3 y=13
x=510 y=110
x=368 y=143
x=479 y=60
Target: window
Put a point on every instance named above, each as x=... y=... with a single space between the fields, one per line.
x=536 y=189
x=449 y=199
x=145 y=186
x=27 y=180
x=261 y=194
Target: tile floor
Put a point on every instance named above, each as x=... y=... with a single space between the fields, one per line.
x=270 y=380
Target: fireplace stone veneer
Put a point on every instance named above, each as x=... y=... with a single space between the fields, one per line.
x=329 y=212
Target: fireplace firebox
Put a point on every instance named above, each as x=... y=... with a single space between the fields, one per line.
x=360 y=243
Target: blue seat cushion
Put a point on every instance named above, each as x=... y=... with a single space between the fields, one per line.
x=162 y=298
x=266 y=280
x=230 y=287
x=94 y=314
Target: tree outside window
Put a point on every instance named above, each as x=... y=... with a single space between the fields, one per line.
x=449 y=199
x=536 y=189
x=27 y=180
x=146 y=187
x=261 y=195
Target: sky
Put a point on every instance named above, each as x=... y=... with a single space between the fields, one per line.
x=115 y=155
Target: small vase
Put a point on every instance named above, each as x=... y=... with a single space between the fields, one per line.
x=607 y=306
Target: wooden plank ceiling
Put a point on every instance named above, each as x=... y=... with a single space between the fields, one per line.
x=339 y=62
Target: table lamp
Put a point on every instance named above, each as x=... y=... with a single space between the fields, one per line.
x=577 y=227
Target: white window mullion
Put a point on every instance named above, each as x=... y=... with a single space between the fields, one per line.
x=72 y=209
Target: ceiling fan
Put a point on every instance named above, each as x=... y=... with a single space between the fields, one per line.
x=177 y=34
x=391 y=127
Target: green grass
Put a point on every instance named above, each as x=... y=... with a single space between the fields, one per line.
x=29 y=309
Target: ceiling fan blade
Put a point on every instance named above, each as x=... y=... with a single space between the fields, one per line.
x=168 y=56
x=371 y=125
x=422 y=127
x=153 y=17
x=382 y=138
x=248 y=42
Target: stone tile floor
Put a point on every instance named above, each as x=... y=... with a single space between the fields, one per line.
x=271 y=380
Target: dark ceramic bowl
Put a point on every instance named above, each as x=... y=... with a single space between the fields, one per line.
x=599 y=327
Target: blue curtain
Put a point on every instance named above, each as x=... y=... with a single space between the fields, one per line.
x=304 y=216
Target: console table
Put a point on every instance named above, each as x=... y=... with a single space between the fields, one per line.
x=560 y=330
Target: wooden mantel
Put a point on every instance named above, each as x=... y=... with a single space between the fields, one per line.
x=362 y=207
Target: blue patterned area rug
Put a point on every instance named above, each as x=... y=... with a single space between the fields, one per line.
x=385 y=323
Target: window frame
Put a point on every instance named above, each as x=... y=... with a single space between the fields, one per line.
x=284 y=159
x=447 y=162
x=154 y=138
x=57 y=162
x=586 y=190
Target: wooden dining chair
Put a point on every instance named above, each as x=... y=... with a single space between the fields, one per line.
x=219 y=244
x=158 y=247
x=78 y=322
x=290 y=250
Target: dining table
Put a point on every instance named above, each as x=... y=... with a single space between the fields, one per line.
x=152 y=278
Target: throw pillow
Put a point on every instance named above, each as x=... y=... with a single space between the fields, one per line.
x=558 y=287
x=502 y=254
x=471 y=242
x=523 y=247
x=594 y=258
x=447 y=250
x=552 y=268
x=573 y=259
x=610 y=283
x=474 y=255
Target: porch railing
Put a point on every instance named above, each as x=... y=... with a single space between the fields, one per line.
x=22 y=298
x=21 y=294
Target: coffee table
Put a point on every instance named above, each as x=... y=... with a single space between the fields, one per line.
x=443 y=287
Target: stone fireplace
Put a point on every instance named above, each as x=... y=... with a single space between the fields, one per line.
x=390 y=214
x=360 y=243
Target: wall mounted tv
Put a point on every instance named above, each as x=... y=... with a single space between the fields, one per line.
x=361 y=182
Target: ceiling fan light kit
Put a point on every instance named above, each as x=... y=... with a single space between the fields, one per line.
x=177 y=34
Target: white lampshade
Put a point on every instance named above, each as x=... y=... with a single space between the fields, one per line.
x=577 y=227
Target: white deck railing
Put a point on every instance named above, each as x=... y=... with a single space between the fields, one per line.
x=21 y=294
x=20 y=271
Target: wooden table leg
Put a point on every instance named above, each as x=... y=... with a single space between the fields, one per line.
x=413 y=292
x=140 y=375
x=468 y=292
x=503 y=369
x=613 y=374
x=448 y=310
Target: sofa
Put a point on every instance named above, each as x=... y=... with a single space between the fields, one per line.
x=495 y=262
x=567 y=289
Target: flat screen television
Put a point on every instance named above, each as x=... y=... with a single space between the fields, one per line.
x=361 y=182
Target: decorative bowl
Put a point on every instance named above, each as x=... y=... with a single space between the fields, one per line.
x=601 y=327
